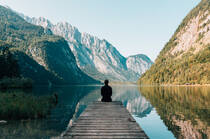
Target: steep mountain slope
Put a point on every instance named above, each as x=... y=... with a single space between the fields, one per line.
x=37 y=50
x=98 y=58
x=185 y=59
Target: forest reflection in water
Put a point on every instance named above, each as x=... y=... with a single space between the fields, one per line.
x=160 y=111
x=184 y=110
x=55 y=123
x=72 y=101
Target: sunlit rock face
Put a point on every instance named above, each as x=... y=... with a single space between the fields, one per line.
x=138 y=63
x=57 y=58
x=97 y=58
x=194 y=36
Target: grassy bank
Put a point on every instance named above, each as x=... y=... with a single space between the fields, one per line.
x=19 y=105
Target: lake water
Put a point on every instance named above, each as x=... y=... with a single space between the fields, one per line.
x=162 y=112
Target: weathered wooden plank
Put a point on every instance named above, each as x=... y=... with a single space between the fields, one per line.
x=105 y=120
x=104 y=111
x=107 y=126
x=101 y=122
x=104 y=131
x=105 y=137
x=105 y=134
x=102 y=119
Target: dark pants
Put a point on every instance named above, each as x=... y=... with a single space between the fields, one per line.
x=106 y=99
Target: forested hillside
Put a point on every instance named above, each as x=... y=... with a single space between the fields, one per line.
x=40 y=55
x=185 y=59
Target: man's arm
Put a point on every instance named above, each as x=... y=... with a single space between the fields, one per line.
x=102 y=91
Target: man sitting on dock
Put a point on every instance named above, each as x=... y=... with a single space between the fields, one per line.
x=106 y=92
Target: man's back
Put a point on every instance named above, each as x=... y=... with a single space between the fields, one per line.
x=106 y=93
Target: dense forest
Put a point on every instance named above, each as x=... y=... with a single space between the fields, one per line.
x=191 y=69
x=8 y=64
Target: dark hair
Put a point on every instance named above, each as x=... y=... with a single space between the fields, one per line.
x=106 y=82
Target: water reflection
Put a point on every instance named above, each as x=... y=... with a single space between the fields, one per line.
x=54 y=124
x=128 y=95
x=72 y=100
x=160 y=111
x=131 y=98
x=184 y=110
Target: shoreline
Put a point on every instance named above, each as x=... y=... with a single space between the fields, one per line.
x=168 y=85
x=193 y=85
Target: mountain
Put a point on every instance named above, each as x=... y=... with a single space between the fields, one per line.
x=97 y=58
x=41 y=56
x=185 y=59
x=138 y=63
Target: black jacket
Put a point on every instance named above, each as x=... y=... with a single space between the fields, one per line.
x=106 y=93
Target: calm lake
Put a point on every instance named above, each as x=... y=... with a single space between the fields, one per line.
x=162 y=112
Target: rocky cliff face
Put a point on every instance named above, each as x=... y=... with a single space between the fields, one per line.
x=138 y=63
x=194 y=36
x=40 y=52
x=185 y=58
x=97 y=58
x=57 y=58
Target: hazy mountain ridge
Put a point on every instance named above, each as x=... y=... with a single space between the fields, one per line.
x=141 y=63
x=185 y=59
x=40 y=52
x=97 y=58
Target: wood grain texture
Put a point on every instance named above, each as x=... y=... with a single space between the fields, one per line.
x=108 y=120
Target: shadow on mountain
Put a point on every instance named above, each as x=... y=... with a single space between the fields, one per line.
x=31 y=69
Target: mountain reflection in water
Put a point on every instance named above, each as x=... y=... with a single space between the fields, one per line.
x=162 y=112
x=184 y=110
x=72 y=101
x=128 y=95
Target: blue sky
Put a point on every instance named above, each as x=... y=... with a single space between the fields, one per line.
x=132 y=26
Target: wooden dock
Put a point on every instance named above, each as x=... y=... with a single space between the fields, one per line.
x=108 y=120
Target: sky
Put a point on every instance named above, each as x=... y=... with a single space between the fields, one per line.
x=132 y=26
